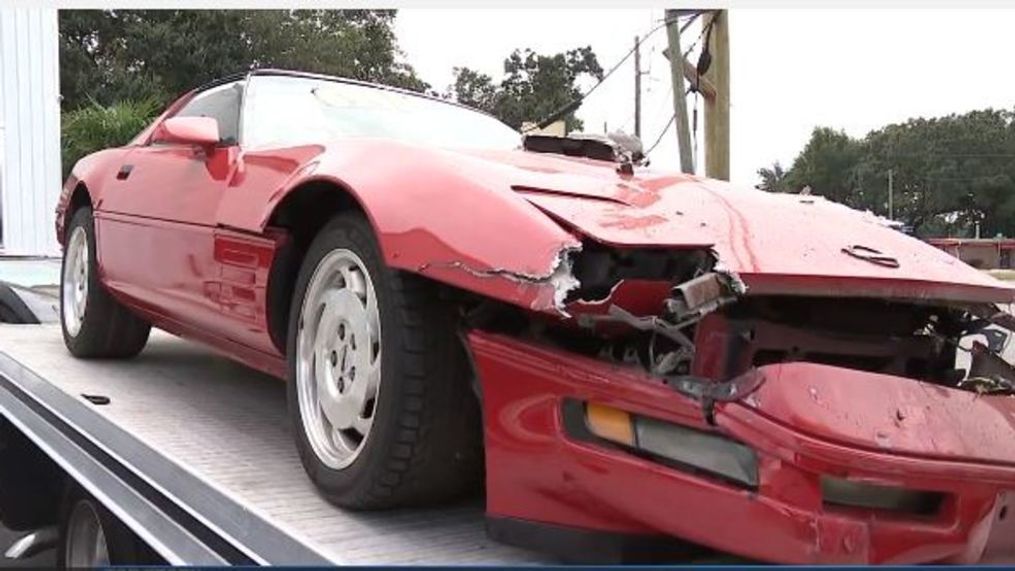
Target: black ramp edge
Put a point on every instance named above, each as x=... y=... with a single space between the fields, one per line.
x=237 y=534
x=165 y=536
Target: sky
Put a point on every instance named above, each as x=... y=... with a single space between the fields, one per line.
x=791 y=69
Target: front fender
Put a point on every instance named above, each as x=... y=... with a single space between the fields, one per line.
x=435 y=213
x=92 y=171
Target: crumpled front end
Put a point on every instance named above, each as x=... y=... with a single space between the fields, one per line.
x=775 y=376
x=786 y=428
x=573 y=441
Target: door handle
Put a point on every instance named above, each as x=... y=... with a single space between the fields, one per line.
x=124 y=172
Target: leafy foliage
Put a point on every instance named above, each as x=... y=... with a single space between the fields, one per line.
x=827 y=164
x=948 y=172
x=115 y=55
x=533 y=86
x=95 y=127
x=773 y=179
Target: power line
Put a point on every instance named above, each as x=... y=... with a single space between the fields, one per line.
x=573 y=104
x=673 y=117
x=694 y=44
x=959 y=155
x=661 y=134
x=966 y=178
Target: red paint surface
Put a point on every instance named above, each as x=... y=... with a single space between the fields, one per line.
x=185 y=240
x=777 y=243
x=535 y=472
x=195 y=130
x=890 y=414
x=457 y=216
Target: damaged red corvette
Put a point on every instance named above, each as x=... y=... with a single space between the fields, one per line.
x=617 y=352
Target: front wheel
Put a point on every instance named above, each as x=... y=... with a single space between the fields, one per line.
x=378 y=391
x=94 y=324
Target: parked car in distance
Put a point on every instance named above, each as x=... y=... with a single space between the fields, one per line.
x=614 y=351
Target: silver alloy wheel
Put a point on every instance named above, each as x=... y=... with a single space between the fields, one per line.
x=74 y=286
x=338 y=358
x=86 y=541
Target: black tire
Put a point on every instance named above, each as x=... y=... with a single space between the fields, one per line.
x=31 y=484
x=124 y=548
x=425 y=444
x=108 y=329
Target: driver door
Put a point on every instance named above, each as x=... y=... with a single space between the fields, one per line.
x=156 y=221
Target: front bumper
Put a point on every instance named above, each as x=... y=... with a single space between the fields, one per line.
x=536 y=473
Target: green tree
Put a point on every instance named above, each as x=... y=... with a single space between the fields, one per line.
x=533 y=87
x=949 y=173
x=94 y=127
x=827 y=164
x=773 y=179
x=109 y=56
x=475 y=90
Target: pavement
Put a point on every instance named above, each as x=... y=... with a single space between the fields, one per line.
x=30 y=272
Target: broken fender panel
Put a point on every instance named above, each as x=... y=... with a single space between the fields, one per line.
x=442 y=214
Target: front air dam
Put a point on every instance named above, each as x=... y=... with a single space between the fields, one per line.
x=538 y=472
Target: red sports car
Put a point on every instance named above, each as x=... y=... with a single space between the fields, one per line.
x=622 y=354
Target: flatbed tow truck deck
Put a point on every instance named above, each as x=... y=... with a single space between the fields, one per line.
x=193 y=452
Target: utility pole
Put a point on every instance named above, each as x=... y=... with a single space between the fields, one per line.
x=717 y=108
x=676 y=58
x=891 y=213
x=637 y=87
x=714 y=87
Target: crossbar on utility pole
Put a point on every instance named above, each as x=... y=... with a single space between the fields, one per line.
x=679 y=92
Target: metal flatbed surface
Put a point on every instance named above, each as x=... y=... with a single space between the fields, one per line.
x=227 y=426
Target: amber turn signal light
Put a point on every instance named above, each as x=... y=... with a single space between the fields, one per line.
x=686 y=447
x=610 y=423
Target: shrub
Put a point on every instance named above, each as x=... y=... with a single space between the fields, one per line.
x=96 y=127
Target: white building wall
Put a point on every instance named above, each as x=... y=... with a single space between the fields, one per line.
x=29 y=130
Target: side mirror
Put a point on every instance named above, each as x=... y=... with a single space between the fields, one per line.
x=203 y=131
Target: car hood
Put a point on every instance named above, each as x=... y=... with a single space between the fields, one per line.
x=776 y=243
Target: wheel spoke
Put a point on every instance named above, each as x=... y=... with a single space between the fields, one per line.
x=339 y=439
x=354 y=281
x=365 y=387
x=362 y=425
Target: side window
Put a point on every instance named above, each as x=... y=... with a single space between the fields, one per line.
x=221 y=103
x=282 y=111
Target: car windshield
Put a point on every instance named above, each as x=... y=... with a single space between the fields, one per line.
x=286 y=111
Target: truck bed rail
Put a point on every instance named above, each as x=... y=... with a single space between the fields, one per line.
x=193 y=453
